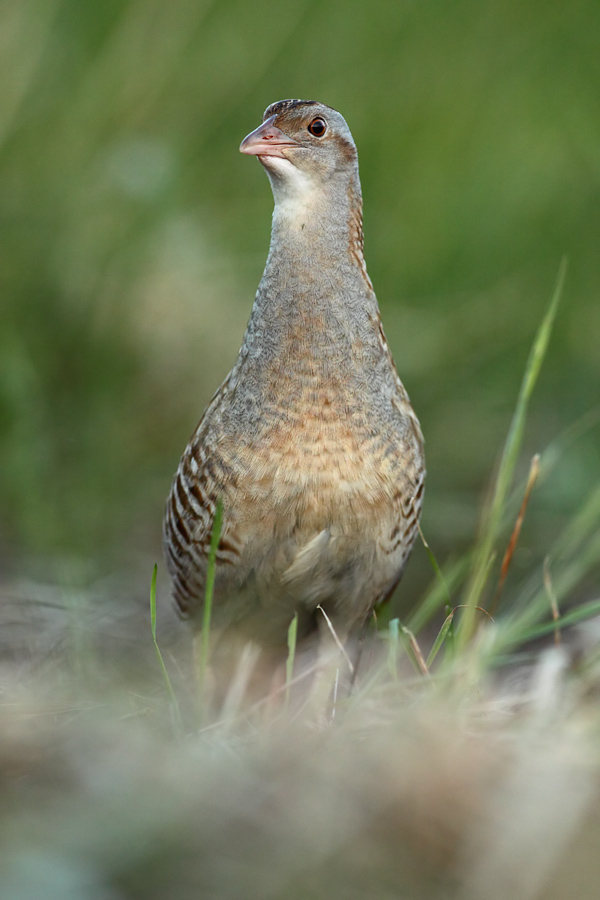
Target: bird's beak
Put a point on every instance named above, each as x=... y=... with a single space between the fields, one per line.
x=267 y=140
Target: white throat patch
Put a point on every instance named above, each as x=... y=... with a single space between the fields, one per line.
x=294 y=191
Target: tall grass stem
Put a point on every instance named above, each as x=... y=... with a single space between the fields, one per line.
x=493 y=515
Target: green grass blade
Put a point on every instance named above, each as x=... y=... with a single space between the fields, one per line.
x=393 y=647
x=435 y=566
x=208 y=594
x=292 y=637
x=564 y=581
x=441 y=637
x=579 y=614
x=153 y=602
x=172 y=698
x=437 y=596
x=508 y=460
x=575 y=553
x=532 y=370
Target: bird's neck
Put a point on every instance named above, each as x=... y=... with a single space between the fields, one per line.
x=315 y=321
x=317 y=241
x=315 y=311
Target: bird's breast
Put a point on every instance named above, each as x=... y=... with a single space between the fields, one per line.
x=315 y=453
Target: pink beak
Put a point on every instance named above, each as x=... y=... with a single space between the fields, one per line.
x=267 y=140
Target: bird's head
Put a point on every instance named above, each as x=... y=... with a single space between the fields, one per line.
x=302 y=144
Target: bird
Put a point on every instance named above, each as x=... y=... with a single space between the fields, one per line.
x=310 y=447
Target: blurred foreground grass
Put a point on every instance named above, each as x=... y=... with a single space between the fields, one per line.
x=477 y=782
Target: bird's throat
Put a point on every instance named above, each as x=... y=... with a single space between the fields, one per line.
x=317 y=233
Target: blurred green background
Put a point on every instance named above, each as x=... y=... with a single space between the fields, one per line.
x=133 y=235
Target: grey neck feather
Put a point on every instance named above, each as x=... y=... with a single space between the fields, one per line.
x=315 y=313
x=315 y=268
x=312 y=239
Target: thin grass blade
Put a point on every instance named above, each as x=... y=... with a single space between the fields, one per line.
x=580 y=614
x=534 y=471
x=439 y=641
x=434 y=565
x=508 y=460
x=175 y=711
x=552 y=598
x=292 y=637
x=416 y=653
x=393 y=647
x=437 y=596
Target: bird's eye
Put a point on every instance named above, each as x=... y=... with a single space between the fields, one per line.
x=318 y=127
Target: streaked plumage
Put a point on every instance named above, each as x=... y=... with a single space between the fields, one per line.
x=311 y=442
